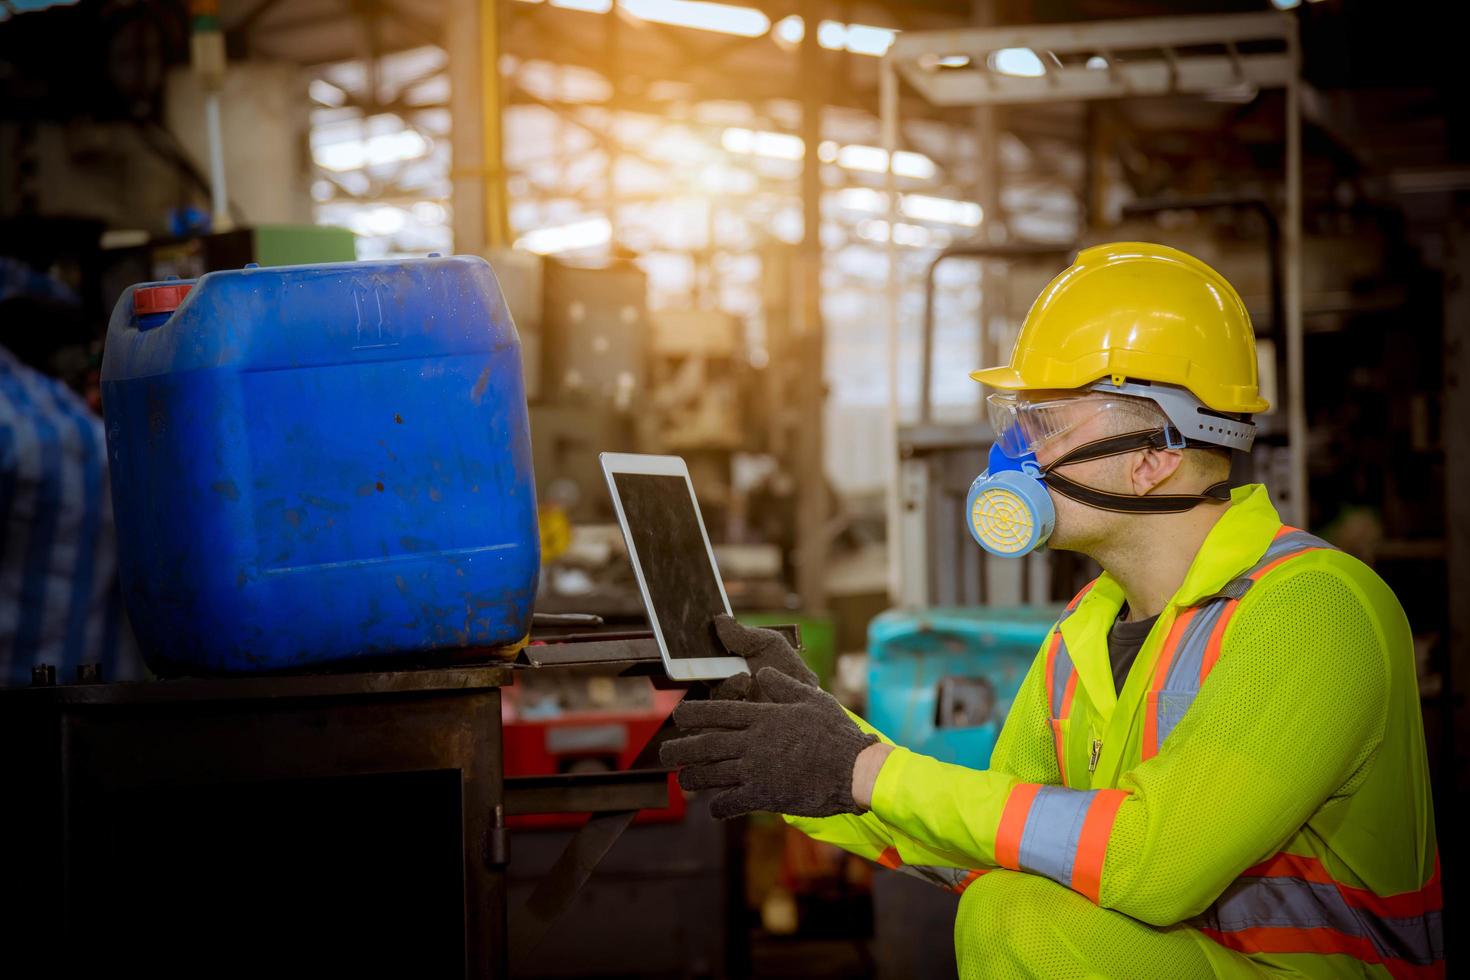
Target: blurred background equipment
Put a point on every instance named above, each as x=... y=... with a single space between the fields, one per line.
x=941 y=681
x=595 y=335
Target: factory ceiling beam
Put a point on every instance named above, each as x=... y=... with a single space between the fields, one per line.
x=549 y=37
x=605 y=141
x=1172 y=68
x=705 y=85
x=396 y=106
x=684 y=56
x=278 y=27
x=240 y=28
x=300 y=32
x=424 y=31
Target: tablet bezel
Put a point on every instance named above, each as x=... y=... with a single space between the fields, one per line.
x=684 y=668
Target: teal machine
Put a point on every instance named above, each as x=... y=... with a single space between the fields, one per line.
x=941 y=681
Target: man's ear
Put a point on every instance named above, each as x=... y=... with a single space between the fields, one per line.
x=1153 y=467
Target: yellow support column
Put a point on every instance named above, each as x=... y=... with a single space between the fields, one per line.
x=492 y=101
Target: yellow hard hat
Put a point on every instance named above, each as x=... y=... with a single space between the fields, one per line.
x=1141 y=311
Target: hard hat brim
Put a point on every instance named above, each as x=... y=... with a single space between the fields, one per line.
x=1006 y=378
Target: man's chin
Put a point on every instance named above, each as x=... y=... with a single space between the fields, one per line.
x=1060 y=543
x=1061 y=540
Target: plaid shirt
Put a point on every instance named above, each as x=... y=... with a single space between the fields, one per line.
x=59 y=597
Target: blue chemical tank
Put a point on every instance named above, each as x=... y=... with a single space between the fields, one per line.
x=317 y=463
x=941 y=681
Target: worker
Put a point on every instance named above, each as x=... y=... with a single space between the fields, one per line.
x=1215 y=766
x=60 y=599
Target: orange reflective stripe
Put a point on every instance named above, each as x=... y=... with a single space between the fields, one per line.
x=1429 y=897
x=1421 y=901
x=1013 y=823
x=1194 y=645
x=1092 y=845
x=1059 y=743
x=1067 y=694
x=1058 y=738
x=1059 y=702
x=1150 y=746
x=1166 y=655
x=1217 y=637
x=969 y=880
x=1320 y=940
x=1285 y=865
x=1284 y=558
x=1051 y=665
x=1059 y=705
x=948 y=877
x=1161 y=674
x=1291 y=903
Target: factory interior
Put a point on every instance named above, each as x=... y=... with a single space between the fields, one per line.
x=285 y=285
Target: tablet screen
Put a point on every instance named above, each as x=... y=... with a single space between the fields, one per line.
x=675 y=562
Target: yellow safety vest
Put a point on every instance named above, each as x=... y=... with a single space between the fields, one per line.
x=1261 y=777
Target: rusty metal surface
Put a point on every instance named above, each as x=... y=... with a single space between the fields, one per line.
x=633 y=650
x=586 y=792
x=531 y=922
x=264 y=687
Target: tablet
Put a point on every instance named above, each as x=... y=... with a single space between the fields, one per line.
x=674 y=562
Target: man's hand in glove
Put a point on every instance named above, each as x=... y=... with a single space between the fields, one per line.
x=761 y=649
x=793 y=754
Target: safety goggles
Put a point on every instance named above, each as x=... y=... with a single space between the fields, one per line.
x=1022 y=424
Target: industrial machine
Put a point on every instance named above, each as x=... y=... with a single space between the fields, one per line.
x=941 y=681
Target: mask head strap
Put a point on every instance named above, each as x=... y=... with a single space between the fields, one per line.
x=1164 y=503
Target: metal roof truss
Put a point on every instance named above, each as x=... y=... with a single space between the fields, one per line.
x=1144 y=56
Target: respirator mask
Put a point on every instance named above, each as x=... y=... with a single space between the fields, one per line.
x=1009 y=508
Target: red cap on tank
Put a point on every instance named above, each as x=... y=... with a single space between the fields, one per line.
x=160 y=299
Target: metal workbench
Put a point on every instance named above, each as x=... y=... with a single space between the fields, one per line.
x=196 y=824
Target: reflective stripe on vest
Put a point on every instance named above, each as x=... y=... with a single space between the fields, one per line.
x=1193 y=645
x=1287 y=904
x=951 y=879
x=1188 y=654
x=1291 y=904
x=1058 y=832
x=1061 y=680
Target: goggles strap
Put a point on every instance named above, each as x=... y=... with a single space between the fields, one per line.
x=1121 y=503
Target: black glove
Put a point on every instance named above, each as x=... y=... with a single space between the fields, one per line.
x=761 y=649
x=793 y=754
